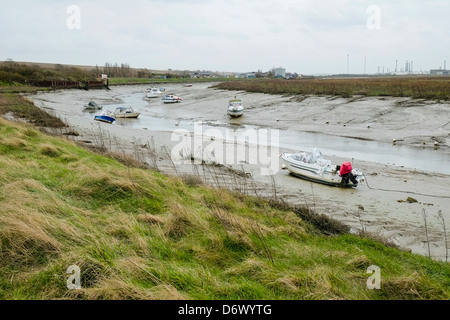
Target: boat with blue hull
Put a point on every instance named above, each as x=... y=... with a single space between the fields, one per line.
x=106 y=116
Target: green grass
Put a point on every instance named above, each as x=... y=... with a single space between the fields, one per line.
x=138 y=234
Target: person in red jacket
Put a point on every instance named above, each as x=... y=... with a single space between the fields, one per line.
x=345 y=172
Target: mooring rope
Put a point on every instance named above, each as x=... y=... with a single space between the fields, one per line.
x=402 y=191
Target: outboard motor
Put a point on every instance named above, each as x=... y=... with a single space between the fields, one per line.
x=345 y=172
x=345 y=168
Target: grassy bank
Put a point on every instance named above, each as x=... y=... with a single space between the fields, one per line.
x=22 y=108
x=17 y=77
x=437 y=88
x=10 y=88
x=137 y=234
x=150 y=81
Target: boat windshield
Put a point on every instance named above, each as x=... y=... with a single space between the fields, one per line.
x=124 y=110
x=235 y=103
x=316 y=157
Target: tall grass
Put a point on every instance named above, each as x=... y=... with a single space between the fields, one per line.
x=416 y=87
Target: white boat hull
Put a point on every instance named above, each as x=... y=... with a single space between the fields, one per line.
x=316 y=173
x=235 y=108
x=154 y=93
x=171 y=99
x=235 y=113
x=127 y=115
x=122 y=112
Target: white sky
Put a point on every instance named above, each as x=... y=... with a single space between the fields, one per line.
x=303 y=36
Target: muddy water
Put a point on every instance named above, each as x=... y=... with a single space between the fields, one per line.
x=156 y=116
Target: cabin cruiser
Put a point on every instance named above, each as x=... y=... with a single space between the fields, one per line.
x=122 y=112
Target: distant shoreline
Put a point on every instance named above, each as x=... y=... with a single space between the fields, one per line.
x=90 y=67
x=22 y=76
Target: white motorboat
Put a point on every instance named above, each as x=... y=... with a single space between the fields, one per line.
x=235 y=108
x=154 y=93
x=171 y=98
x=317 y=169
x=122 y=112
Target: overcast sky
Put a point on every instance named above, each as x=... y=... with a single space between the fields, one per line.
x=303 y=36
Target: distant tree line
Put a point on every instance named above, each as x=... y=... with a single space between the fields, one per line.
x=118 y=71
x=125 y=71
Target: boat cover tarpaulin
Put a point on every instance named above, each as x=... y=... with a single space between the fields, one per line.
x=345 y=168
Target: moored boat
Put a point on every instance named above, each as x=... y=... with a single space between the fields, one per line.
x=122 y=112
x=171 y=98
x=235 y=108
x=154 y=93
x=106 y=116
x=92 y=105
x=317 y=169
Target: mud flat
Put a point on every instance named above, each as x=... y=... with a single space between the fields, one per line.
x=391 y=202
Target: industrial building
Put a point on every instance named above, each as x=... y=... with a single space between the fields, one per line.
x=279 y=72
x=440 y=72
